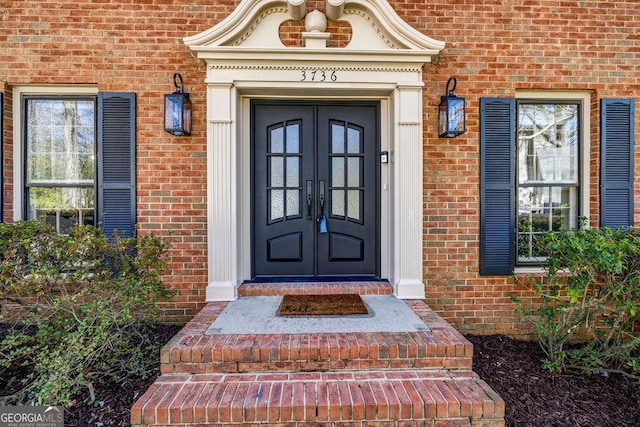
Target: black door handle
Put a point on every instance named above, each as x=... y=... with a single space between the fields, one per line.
x=321 y=197
x=309 y=199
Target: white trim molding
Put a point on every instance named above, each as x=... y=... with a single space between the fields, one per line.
x=245 y=59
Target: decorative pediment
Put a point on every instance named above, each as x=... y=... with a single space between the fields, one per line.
x=255 y=24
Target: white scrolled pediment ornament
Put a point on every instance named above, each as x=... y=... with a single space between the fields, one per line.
x=255 y=24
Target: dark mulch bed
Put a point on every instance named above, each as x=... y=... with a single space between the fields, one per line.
x=535 y=397
x=113 y=400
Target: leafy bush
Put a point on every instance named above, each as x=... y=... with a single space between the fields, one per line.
x=75 y=301
x=591 y=293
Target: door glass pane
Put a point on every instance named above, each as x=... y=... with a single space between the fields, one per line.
x=337 y=202
x=293 y=138
x=276 y=144
x=354 y=204
x=337 y=138
x=293 y=202
x=353 y=140
x=353 y=176
x=337 y=172
x=277 y=171
x=293 y=171
x=276 y=202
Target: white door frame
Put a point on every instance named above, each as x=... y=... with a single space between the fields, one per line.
x=245 y=60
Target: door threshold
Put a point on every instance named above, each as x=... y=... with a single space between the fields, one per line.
x=314 y=279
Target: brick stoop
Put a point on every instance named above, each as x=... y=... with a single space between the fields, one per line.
x=318 y=379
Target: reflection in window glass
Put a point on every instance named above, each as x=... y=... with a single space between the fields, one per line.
x=60 y=161
x=63 y=207
x=548 y=171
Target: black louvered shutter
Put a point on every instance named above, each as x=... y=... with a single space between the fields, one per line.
x=497 y=191
x=116 y=163
x=616 y=167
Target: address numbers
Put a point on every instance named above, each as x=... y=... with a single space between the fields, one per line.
x=318 y=76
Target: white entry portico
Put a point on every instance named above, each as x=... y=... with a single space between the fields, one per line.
x=246 y=59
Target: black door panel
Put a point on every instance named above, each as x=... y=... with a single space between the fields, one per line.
x=315 y=183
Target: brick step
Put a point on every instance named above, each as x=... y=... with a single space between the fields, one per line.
x=399 y=398
x=314 y=288
x=194 y=352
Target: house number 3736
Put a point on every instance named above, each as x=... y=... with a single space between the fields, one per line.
x=318 y=75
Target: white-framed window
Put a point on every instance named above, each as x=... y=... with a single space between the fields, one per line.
x=74 y=162
x=60 y=160
x=548 y=172
x=535 y=176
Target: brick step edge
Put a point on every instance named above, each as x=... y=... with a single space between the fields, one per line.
x=421 y=397
x=315 y=352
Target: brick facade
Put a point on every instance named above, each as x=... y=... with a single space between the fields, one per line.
x=494 y=48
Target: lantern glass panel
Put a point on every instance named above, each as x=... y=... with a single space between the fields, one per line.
x=455 y=116
x=442 y=119
x=177 y=114
x=186 y=116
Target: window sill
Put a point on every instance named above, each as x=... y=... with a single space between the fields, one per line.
x=534 y=269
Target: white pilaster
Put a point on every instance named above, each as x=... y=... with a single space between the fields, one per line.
x=222 y=215
x=408 y=193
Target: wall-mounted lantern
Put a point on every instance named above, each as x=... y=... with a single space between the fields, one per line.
x=451 y=113
x=177 y=109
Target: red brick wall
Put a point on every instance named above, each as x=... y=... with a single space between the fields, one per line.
x=494 y=48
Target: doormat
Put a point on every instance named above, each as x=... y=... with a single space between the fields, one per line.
x=322 y=305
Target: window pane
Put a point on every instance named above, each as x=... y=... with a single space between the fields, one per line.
x=293 y=138
x=60 y=141
x=337 y=171
x=548 y=143
x=354 y=204
x=337 y=202
x=276 y=201
x=548 y=173
x=544 y=209
x=277 y=171
x=354 y=169
x=39 y=167
x=293 y=202
x=293 y=171
x=277 y=140
x=353 y=140
x=337 y=138
x=62 y=207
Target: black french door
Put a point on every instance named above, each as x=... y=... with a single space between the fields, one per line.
x=315 y=184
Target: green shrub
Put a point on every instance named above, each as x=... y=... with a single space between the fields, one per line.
x=591 y=293
x=75 y=302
